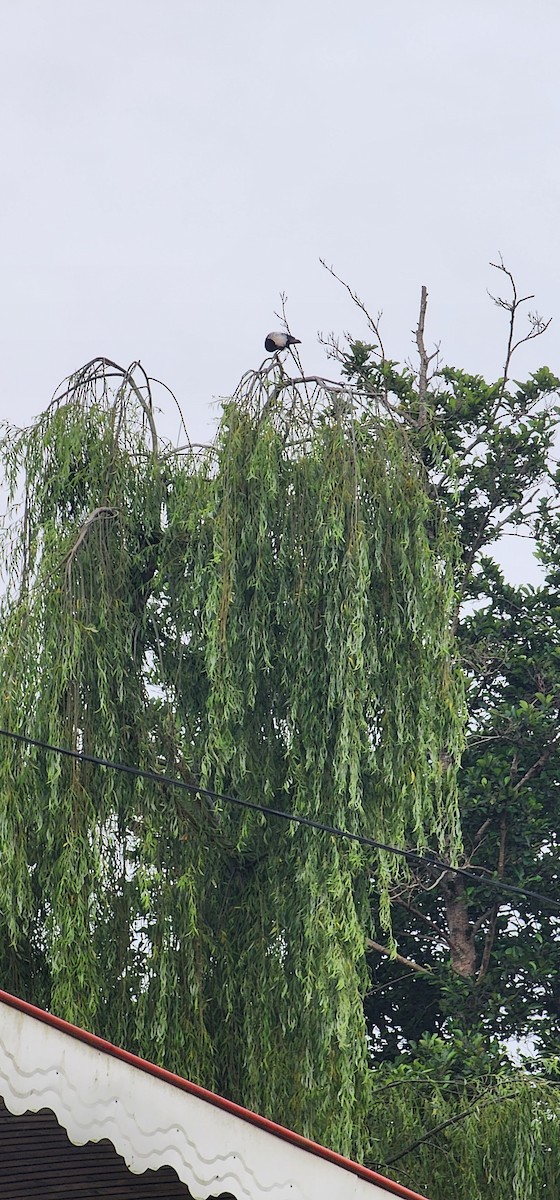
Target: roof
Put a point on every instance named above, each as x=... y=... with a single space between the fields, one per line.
x=198 y=1143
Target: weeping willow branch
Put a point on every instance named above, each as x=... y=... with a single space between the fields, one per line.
x=95 y=370
x=486 y=1096
x=96 y=515
x=494 y=1134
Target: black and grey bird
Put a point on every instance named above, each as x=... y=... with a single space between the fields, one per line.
x=280 y=341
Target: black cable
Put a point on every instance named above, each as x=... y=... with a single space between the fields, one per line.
x=308 y=822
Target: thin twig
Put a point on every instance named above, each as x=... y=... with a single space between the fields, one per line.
x=373 y=324
x=421 y=917
x=538 y=325
x=166 y=388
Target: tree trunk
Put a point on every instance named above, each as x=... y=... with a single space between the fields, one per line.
x=461 y=932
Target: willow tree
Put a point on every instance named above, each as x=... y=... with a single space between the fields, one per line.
x=493 y=1134
x=267 y=618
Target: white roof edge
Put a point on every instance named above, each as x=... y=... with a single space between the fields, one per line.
x=152 y=1123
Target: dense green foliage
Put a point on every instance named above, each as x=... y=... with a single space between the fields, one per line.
x=492 y=961
x=280 y=617
x=455 y=1121
x=270 y=618
x=476 y=971
x=495 y=475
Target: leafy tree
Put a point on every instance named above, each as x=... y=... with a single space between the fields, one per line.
x=475 y=970
x=278 y=618
x=268 y=619
x=455 y=1120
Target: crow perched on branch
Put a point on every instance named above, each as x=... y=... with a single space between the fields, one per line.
x=279 y=341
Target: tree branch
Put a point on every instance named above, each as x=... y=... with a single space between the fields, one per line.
x=421 y=917
x=539 y=764
x=425 y=359
x=373 y=324
x=491 y=931
x=406 y=962
x=124 y=373
x=96 y=515
x=538 y=325
x=436 y=1129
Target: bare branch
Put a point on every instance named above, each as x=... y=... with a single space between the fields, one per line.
x=424 y=359
x=406 y=962
x=320 y=381
x=538 y=325
x=478 y=924
x=486 y=824
x=166 y=387
x=372 y=322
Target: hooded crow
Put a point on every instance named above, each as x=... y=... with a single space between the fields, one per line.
x=279 y=341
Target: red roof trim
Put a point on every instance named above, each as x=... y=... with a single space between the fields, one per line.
x=185 y=1085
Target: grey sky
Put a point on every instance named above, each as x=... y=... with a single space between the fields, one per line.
x=170 y=166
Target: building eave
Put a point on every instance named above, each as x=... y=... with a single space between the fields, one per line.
x=154 y=1117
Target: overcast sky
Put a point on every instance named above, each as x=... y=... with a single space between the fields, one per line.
x=170 y=167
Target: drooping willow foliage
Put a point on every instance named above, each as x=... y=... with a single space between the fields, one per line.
x=267 y=617
x=496 y=1136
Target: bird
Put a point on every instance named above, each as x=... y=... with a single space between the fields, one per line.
x=279 y=341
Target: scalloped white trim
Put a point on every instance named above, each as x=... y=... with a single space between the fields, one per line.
x=151 y=1123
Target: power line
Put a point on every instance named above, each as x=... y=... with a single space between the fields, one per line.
x=362 y=839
